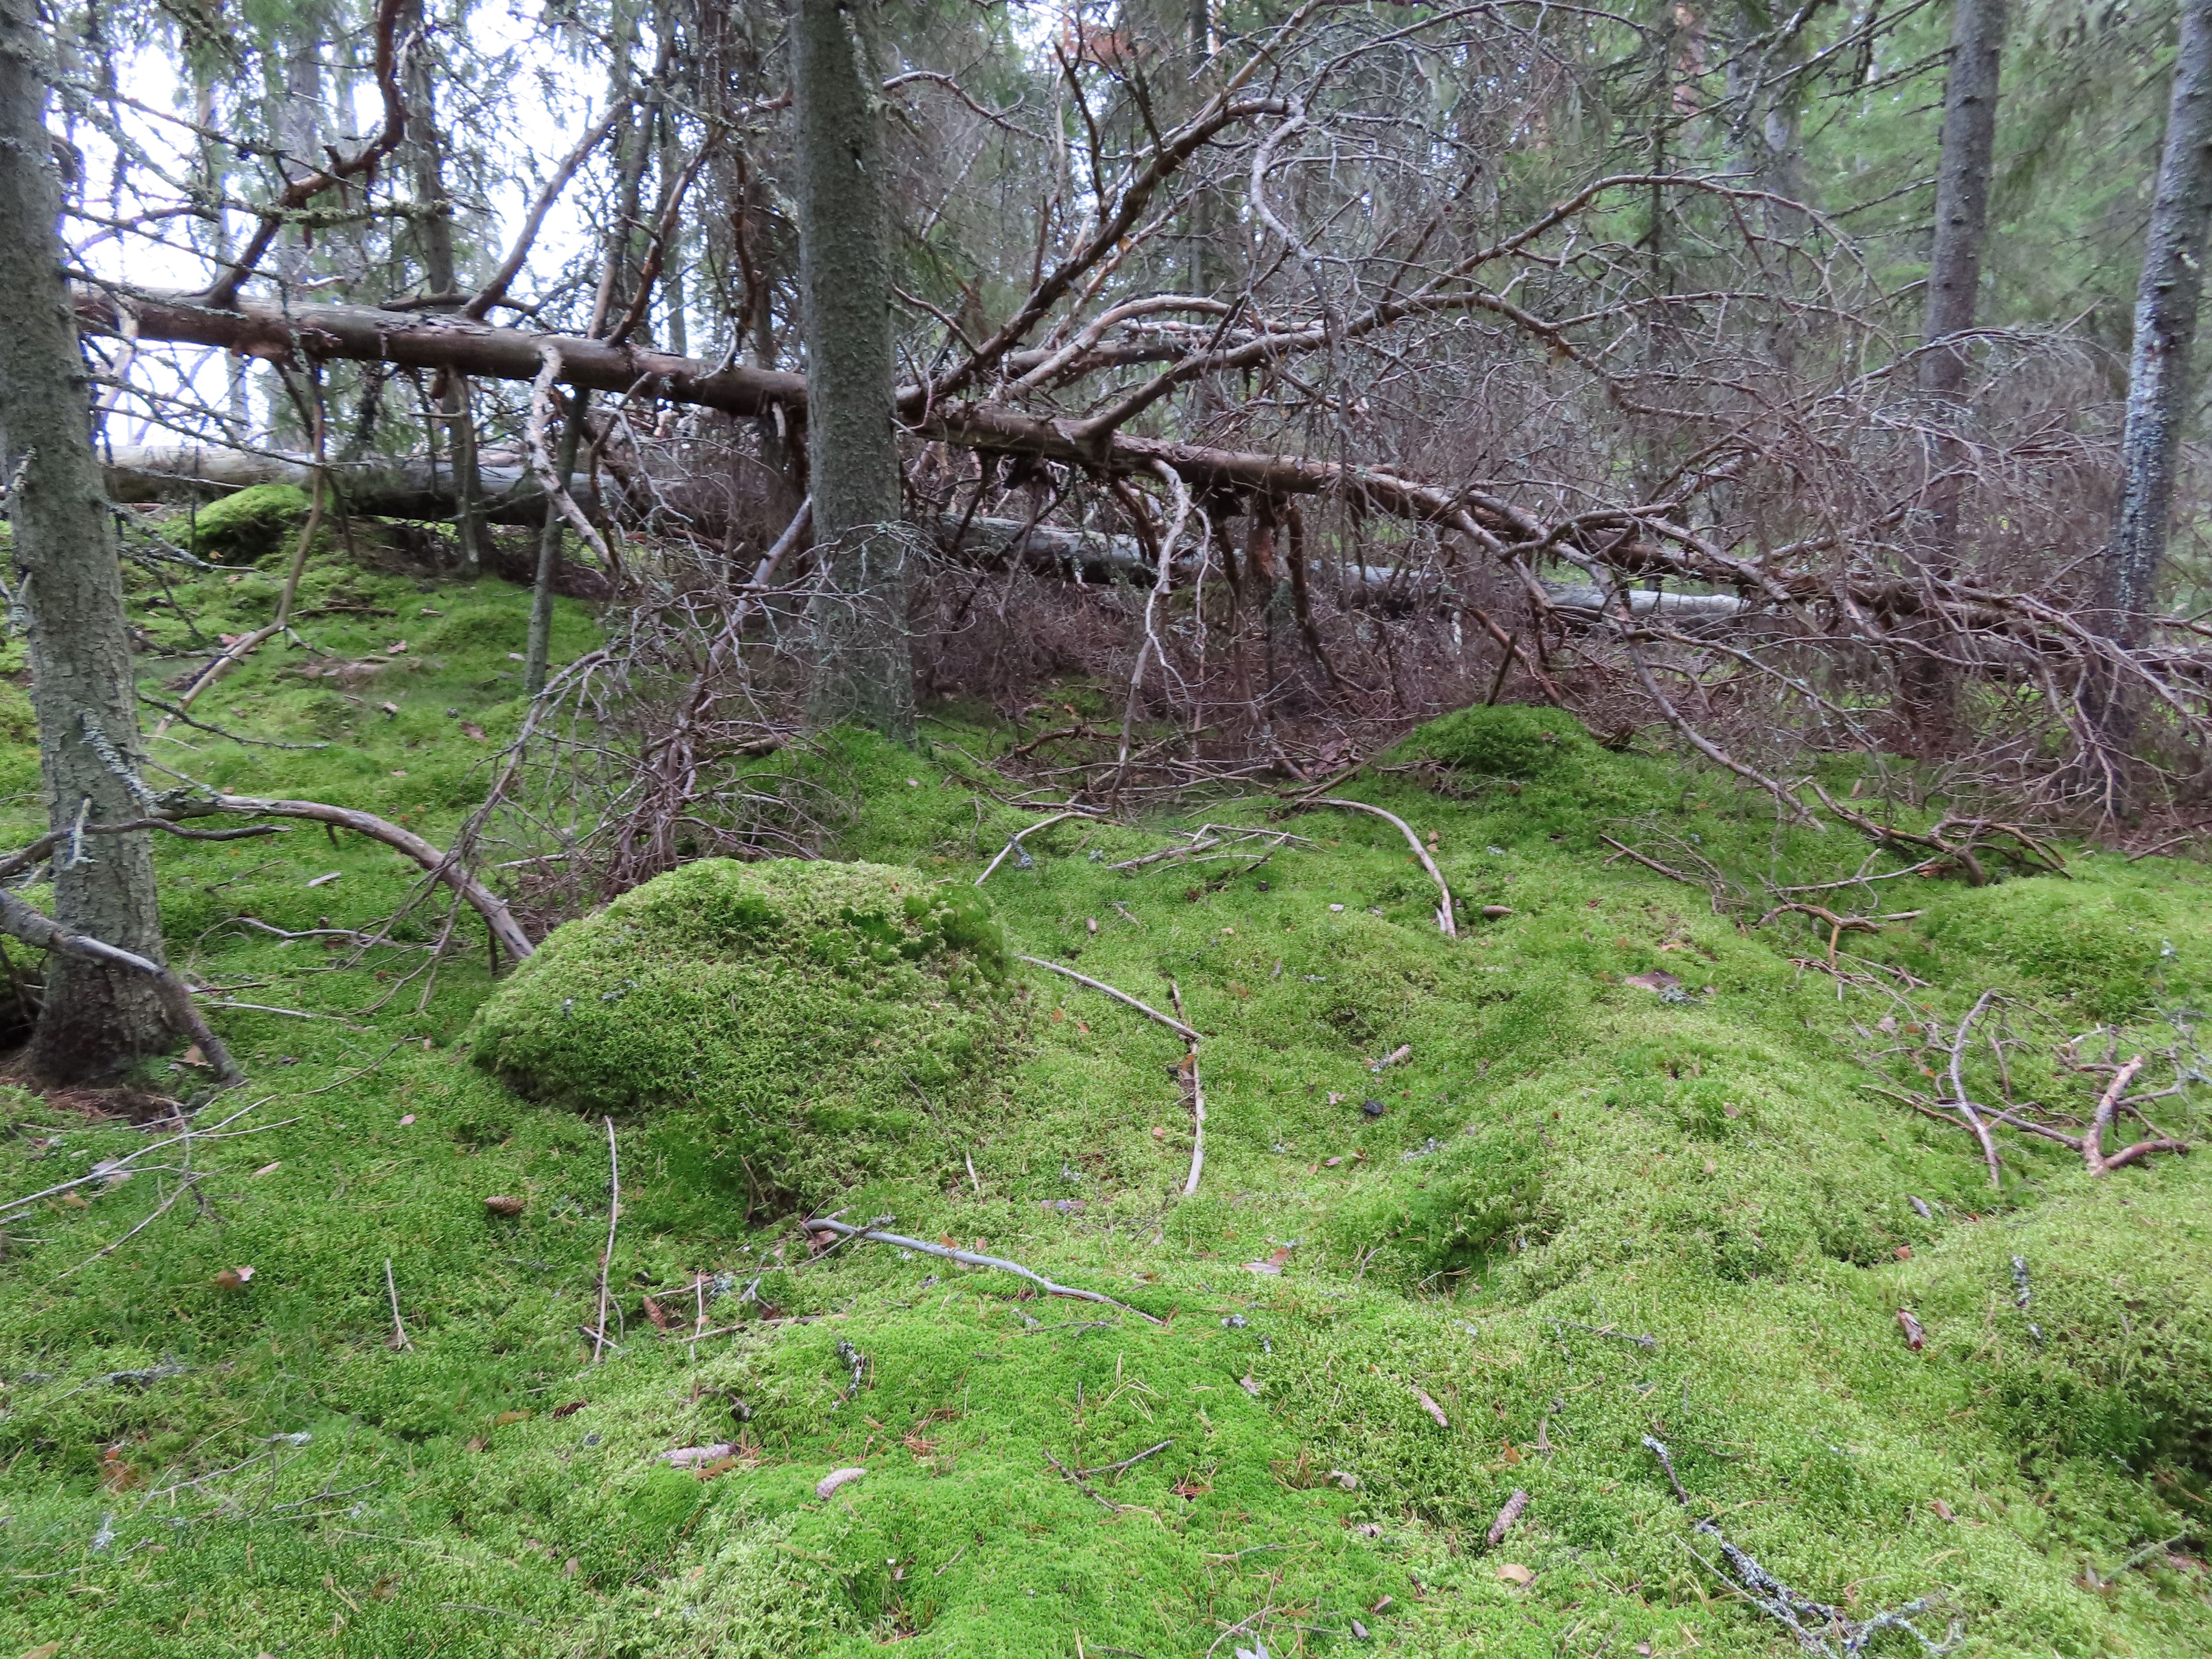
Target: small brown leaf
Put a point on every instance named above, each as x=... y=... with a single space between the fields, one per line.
x=1190 y=1487
x=1941 y=1508
x=395 y=648
x=506 y=1418
x=570 y=1409
x=231 y=1279
x=471 y=730
x=1514 y=1573
x=193 y=1056
x=1248 y=1386
x=1512 y=1453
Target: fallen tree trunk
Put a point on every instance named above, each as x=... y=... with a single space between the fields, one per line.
x=413 y=488
x=419 y=489
x=1866 y=603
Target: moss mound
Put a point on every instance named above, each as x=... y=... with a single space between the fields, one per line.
x=2113 y=950
x=249 y=526
x=808 y=1016
x=1511 y=741
x=2111 y=1355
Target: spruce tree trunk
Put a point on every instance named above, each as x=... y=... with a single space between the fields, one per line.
x=2167 y=302
x=426 y=158
x=1931 y=689
x=864 y=665
x=97 y=1020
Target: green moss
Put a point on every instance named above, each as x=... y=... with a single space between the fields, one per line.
x=247 y=526
x=2111 y=950
x=1562 y=1161
x=1511 y=740
x=2111 y=1355
x=810 y=1016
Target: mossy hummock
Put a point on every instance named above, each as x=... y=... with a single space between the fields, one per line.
x=813 y=1015
x=249 y=526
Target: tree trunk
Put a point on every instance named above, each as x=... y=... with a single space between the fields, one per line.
x=1931 y=689
x=538 y=651
x=434 y=243
x=864 y=662
x=98 y=1019
x=2167 y=302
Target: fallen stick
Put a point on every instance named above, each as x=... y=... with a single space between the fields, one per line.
x=1197 y=1104
x=1811 y=1622
x=443 y=866
x=1128 y=1462
x=1175 y=1025
x=160 y=1210
x=1650 y=863
x=238 y=650
x=399 y=1342
x=2092 y=1142
x=1958 y=1091
x=107 y=1171
x=606 y=1259
x=1013 y=844
x=1648 y=1344
x=1112 y=1508
x=1443 y=910
x=970 y=1259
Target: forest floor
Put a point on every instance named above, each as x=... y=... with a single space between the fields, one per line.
x=1581 y=1214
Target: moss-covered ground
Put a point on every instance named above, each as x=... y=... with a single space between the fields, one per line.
x=192 y=1465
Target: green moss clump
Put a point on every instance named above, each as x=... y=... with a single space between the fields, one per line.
x=1510 y=741
x=804 y=1017
x=2110 y=950
x=2111 y=1355
x=249 y=526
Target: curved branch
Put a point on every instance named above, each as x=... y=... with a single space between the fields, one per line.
x=222 y=294
x=442 y=866
x=1445 y=909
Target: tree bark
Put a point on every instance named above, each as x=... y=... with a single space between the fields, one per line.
x=97 y=1017
x=426 y=150
x=1930 y=686
x=2166 y=302
x=864 y=667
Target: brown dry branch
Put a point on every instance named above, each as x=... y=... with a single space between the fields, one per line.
x=1196 y=1090
x=1177 y=1026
